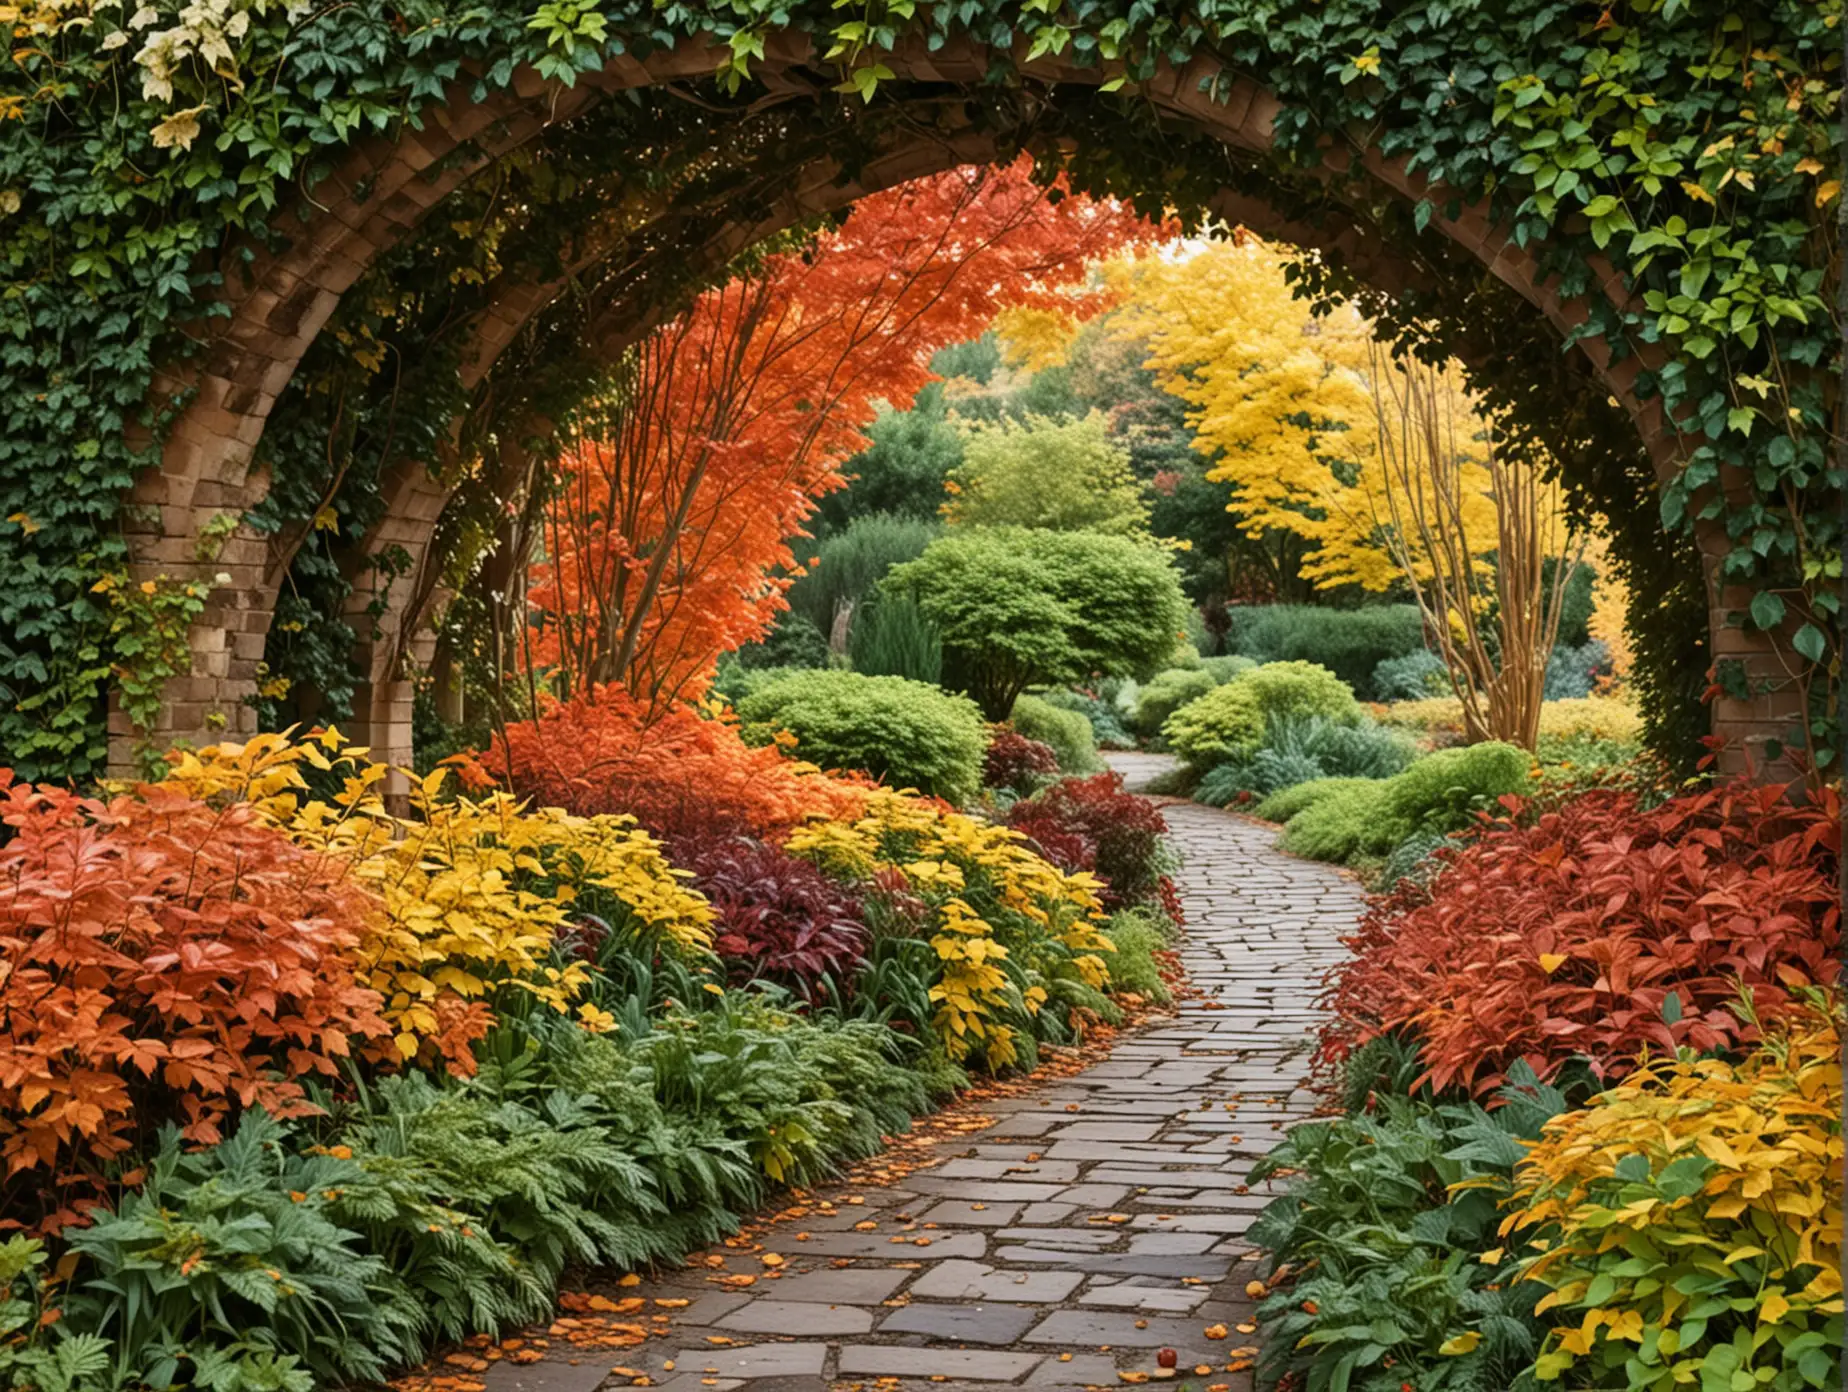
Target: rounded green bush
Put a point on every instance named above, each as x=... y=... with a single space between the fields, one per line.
x=1166 y=692
x=1343 y=825
x=1069 y=732
x=1369 y=819
x=1226 y=723
x=1285 y=803
x=910 y=734
x=1439 y=792
x=1223 y=669
x=1300 y=688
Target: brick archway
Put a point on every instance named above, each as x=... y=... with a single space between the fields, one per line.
x=279 y=302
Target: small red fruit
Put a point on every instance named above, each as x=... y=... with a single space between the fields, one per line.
x=1167 y=1358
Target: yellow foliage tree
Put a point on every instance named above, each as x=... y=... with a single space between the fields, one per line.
x=1388 y=468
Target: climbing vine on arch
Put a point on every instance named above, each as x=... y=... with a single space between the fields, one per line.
x=1681 y=144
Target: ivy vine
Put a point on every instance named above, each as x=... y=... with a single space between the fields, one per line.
x=1686 y=144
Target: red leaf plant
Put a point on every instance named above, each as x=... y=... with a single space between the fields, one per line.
x=1017 y=763
x=1563 y=936
x=1094 y=824
x=675 y=771
x=163 y=961
x=780 y=919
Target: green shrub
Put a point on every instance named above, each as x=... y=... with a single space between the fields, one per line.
x=794 y=642
x=891 y=637
x=1572 y=672
x=1165 y=693
x=1226 y=723
x=1223 y=669
x=902 y=470
x=1281 y=806
x=1108 y=728
x=1286 y=689
x=1439 y=793
x=1344 y=827
x=1410 y=678
x=1399 y=1276
x=1065 y=476
x=1351 y=643
x=849 y=565
x=905 y=732
x=1301 y=749
x=1365 y=750
x=1223 y=784
x=735 y=681
x=1233 y=721
x=1018 y=607
x=1441 y=790
x=1138 y=934
x=213 y=1274
x=1068 y=732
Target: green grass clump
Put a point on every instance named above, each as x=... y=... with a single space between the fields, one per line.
x=1138 y=934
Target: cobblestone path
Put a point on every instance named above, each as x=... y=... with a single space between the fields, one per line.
x=1097 y=1221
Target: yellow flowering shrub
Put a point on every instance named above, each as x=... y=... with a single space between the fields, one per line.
x=1005 y=924
x=474 y=893
x=1689 y=1222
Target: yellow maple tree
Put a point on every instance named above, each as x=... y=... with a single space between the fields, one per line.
x=1283 y=401
x=1389 y=468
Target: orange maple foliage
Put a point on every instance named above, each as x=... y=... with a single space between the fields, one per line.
x=162 y=961
x=675 y=771
x=715 y=437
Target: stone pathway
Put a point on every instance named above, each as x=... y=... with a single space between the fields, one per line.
x=1098 y=1221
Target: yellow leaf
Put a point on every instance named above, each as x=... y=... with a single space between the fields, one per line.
x=1460 y=1344
x=1773 y=1308
x=1551 y=962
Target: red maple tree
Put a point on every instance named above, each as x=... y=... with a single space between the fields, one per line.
x=669 y=539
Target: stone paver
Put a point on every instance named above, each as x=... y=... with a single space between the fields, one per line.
x=1099 y=1220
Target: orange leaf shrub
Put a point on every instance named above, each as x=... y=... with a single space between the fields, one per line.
x=675 y=771
x=161 y=961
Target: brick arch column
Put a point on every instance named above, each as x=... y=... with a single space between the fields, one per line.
x=382 y=190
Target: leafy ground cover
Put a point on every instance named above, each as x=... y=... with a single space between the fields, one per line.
x=1589 y=1088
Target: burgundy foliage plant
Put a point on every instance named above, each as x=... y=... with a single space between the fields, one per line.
x=779 y=919
x=1094 y=824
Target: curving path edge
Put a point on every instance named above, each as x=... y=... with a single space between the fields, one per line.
x=1097 y=1221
